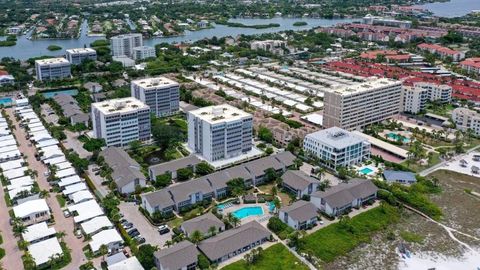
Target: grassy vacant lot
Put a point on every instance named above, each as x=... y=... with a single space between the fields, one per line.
x=417 y=167
x=340 y=238
x=275 y=257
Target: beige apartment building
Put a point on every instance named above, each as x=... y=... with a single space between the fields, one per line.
x=356 y=106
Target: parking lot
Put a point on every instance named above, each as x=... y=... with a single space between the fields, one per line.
x=148 y=231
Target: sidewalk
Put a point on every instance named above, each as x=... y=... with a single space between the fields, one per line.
x=13 y=255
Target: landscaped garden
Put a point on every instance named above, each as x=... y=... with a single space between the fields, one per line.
x=275 y=257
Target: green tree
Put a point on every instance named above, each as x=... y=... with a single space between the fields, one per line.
x=103 y=250
x=196 y=237
x=184 y=174
x=163 y=180
x=236 y=187
x=265 y=134
x=145 y=255
x=203 y=262
x=203 y=168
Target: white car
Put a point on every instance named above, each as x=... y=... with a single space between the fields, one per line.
x=162 y=227
x=66 y=213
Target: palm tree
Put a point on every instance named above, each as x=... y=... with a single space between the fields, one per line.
x=103 y=251
x=19 y=229
x=196 y=237
x=212 y=230
x=230 y=217
x=44 y=194
x=22 y=244
x=277 y=203
x=235 y=221
x=168 y=243
x=28 y=261
x=61 y=235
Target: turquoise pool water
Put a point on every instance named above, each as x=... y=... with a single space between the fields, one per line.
x=51 y=94
x=271 y=206
x=395 y=136
x=366 y=171
x=248 y=211
x=5 y=101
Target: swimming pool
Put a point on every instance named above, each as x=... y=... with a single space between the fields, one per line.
x=366 y=170
x=396 y=137
x=6 y=101
x=248 y=211
x=271 y=206
x=52 y=93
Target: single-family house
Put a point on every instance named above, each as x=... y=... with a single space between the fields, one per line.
x=401 y=177
x=299 y=183
x=126 y=171
x=31 y=212
x=111 y=238
x=202 y=224
x=179 y=256
x=300 y=215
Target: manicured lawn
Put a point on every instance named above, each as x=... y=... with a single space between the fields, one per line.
x=275 y=257
x=417 y=167
x=175 y=222
x=338 y=239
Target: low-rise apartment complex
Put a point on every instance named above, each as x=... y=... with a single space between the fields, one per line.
x=442 y=52
x=52 y=68
x=121 y=121
x=356 y=106
x=160 y=94
x=335 y=147
x=219 y=132
x=341 y=198
x=77 y=56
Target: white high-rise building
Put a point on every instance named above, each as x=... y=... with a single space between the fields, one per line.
x=356 y=106
x=160 y=94
x=415 y=98
x=77 y=56
x=52 y=68
x=120 y=121
x=219 y=132
x=336 y=147
x=466 y=119
x=143 y=52
x=122 y=45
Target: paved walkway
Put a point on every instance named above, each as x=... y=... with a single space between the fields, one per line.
x=13 y=255
x=61 y=223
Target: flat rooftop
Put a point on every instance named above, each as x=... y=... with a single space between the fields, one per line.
x=50 y=61
x=336 y=137
x=366 y=86
x=155 y=82
x=80 y=50
x=119 y=105
x=219 y=113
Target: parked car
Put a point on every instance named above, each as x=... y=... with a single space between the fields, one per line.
x=162 y=227
x=139 y=239
x=164 y=231
x=127 y=225
x=123 y=221
x=78 y=233
x=133 y=233
x=67 y=213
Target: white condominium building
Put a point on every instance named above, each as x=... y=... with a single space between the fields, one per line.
x=122 y=45
x=77 y=56
x=120 y=121
x=219 y=132
x=143 y=52
x=336 y=147
x=415 y=98
x=356 y=106
x=466 y=119
x=52 y=68
x=160 y=94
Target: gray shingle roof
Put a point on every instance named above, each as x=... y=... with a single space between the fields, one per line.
x=182 y=191
x=70 y=107
x=238 y=172
x=177 y=256
x=202 y=224
x=174 y=165
x=392 y=176
x=161 y=198
x=232 y=240
x=300 y=210
x=297 y=179
x=286 y=158
x=219 y=179
x=125 y=169
x=342 y=194
x=258 y=167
